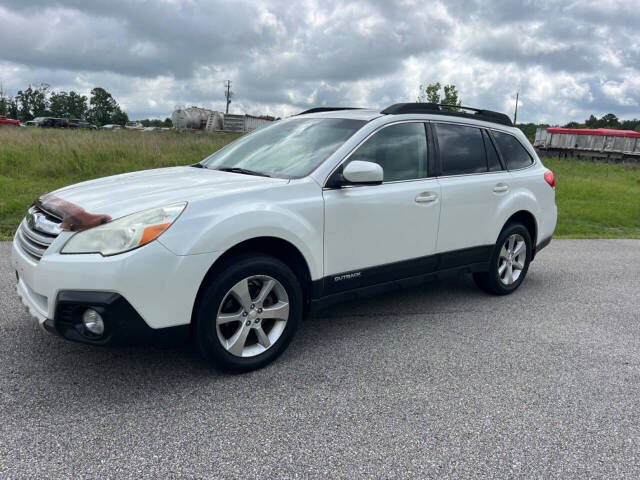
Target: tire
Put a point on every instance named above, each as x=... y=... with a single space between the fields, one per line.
x=237 y=330
x=497 y=281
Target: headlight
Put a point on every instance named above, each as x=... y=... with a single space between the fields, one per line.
x=126 y=233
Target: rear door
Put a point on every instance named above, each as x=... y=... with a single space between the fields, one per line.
x=473 y=183
x=378 y=233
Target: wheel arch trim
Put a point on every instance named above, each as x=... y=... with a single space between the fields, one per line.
x=278 y=247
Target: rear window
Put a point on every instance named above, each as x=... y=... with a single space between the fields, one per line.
x=513 y=153
x=461 y=149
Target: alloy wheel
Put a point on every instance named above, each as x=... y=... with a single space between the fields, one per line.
x=252 y=316
x=512 y=259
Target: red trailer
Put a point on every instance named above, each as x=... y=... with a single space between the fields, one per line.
x=598 y=143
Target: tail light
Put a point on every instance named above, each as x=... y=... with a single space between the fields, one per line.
x=548 y=176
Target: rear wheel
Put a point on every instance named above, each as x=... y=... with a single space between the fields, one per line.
x=509 y=261
x=248 y=313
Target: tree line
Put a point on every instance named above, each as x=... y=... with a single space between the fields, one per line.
x=41 y=101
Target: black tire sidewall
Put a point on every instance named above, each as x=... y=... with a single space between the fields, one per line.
x=496 y=284
x=234 y=270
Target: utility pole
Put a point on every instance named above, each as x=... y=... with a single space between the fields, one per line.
x=515 y=113
x=227 y=94
x=3 y=102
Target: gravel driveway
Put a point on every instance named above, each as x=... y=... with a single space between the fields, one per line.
x=433 y=381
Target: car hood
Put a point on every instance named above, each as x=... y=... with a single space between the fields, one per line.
x=132 y=192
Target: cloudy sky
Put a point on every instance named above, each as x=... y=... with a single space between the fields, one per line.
x=567 y=58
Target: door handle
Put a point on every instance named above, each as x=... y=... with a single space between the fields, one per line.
x=426 y=197
x=501 y=188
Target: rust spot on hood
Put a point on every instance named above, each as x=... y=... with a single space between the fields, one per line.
x=74 y=218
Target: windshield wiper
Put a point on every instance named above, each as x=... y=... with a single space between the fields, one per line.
x=198 y=165
x=242 y=170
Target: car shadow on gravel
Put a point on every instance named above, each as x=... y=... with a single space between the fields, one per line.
x=323 y=347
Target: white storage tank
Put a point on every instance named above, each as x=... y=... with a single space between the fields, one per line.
x=192 y=118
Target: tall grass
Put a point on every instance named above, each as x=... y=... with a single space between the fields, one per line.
x=594 y=199
x=34 y=161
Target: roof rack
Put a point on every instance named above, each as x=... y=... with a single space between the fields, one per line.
x=478 y=114
x=328 y=109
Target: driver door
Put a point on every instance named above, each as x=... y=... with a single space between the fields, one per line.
x=379 y=233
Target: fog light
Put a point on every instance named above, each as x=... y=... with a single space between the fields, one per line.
x=93 y=322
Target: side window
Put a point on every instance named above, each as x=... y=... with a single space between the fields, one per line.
x=493 y=162
x=461 y=149
x=401 y=151
x=513 y=153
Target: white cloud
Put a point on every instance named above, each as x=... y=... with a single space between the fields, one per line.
x=567 y=59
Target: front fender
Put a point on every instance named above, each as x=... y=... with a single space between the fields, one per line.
x=292 y=215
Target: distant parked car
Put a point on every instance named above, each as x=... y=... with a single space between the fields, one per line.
x=77 y=123
x=111 y=126
x=134 y=126
x=51 y=122
x=8 y=121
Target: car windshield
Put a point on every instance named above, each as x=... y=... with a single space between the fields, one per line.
x=290 y=148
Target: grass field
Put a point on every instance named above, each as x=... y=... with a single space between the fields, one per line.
x=595 y=200
x=34 y=161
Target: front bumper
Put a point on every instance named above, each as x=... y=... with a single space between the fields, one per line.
x=123 y=325
x=158 y=285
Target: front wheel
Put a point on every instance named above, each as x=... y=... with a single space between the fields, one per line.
x=509 y=261
x=248 y=313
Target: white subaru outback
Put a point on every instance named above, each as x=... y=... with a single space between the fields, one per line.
x=235 y=250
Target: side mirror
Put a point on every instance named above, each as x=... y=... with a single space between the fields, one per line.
x=363 y=173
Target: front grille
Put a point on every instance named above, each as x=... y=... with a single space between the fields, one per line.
x=37 y=231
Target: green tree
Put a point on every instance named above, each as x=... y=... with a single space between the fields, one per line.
x=32 y=102
x=12 y=110
x=591 y=122
x=156 y=122
x=119 y=117
x=104 y=108
x=451 y=97
x=58 y=104
x=610 y=121
x=431 y=94
x=76 y=105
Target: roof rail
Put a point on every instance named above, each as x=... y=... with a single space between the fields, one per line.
x=436 y=108
x=327 y=109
